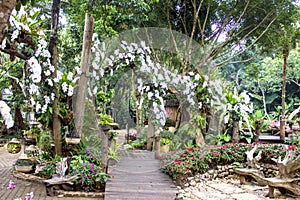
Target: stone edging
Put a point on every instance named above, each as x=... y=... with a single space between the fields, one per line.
x=227 y=172
x=61 y=193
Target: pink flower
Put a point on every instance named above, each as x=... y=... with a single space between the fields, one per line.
x=29 y=196
x=11 y=185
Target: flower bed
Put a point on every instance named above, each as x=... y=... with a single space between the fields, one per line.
x=185 y=163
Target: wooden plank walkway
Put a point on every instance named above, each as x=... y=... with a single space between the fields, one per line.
x=137 y=176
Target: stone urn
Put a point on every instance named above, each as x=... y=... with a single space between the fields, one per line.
x=14 y=146
x=24 y=164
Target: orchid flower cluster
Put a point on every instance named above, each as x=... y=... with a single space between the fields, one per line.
x=12 y=185
x=5 y=112
x=238 y=105
x=40 y=77
x=153 y=79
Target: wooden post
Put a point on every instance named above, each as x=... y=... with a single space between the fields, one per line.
x=235 y=132
x=56 y=123
x=271 y=192
x=157 y=147
x=150 y=135
x=104 y=149
x=282 y=128
x=285 y=53
x=84 y=67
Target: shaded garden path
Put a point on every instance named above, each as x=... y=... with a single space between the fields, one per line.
x=137 y=176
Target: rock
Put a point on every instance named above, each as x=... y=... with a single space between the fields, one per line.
x=193 y=183
x=211 y=172
x=215 y=176
x=186 y=185
x=199 y=185
x=231 y=176
x=180 y=196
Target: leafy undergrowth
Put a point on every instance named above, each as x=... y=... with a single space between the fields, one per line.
x=184 y=163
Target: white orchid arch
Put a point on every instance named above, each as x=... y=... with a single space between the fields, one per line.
x=132 y=50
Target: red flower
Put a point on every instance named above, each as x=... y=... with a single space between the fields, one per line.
x=225 y=146
x=291 y=147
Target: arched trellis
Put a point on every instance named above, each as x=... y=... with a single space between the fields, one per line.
x=132 y=50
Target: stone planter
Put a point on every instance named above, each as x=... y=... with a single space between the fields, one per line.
x=14 y=146
x=164 y=148
x=29 y=136
x=72 y=140
x=24 y=169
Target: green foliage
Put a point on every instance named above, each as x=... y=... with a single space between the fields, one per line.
x=105 y=119
x=263 y=79
x=48 y=164
x=294 y=138
x=113 y=152
x=104 y=99
x=223 y=138
x=44 y=140
x=91 y=141
x=48 y=170
x=13 y=147
x=88 y=167
x=166 y=137
x=184 y=163
x=184 y=136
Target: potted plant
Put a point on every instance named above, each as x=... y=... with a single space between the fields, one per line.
x=13 y=146
x=105 y=121
x=166 y=138
x=24 y=164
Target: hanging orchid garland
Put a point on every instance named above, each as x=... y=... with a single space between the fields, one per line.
x=153 y=79
x=38 y=79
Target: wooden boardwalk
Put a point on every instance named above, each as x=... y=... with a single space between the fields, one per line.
x=137 y=176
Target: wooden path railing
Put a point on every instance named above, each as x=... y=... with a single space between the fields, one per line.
x=137 y=176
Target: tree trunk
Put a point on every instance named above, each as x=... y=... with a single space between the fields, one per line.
x=137 y=116
x=84 y=67
x=56 y=126
x=104 y=149
x=5 y=11
x=199 y=139
x=235 y=132
x=257 y=130
x=285 y=53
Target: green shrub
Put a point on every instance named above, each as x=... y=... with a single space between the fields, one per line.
x=187 y=162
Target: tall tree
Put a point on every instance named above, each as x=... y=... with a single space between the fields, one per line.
x=54 y=58
x=226 y=30
x=84 y=66
x=6 y=8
